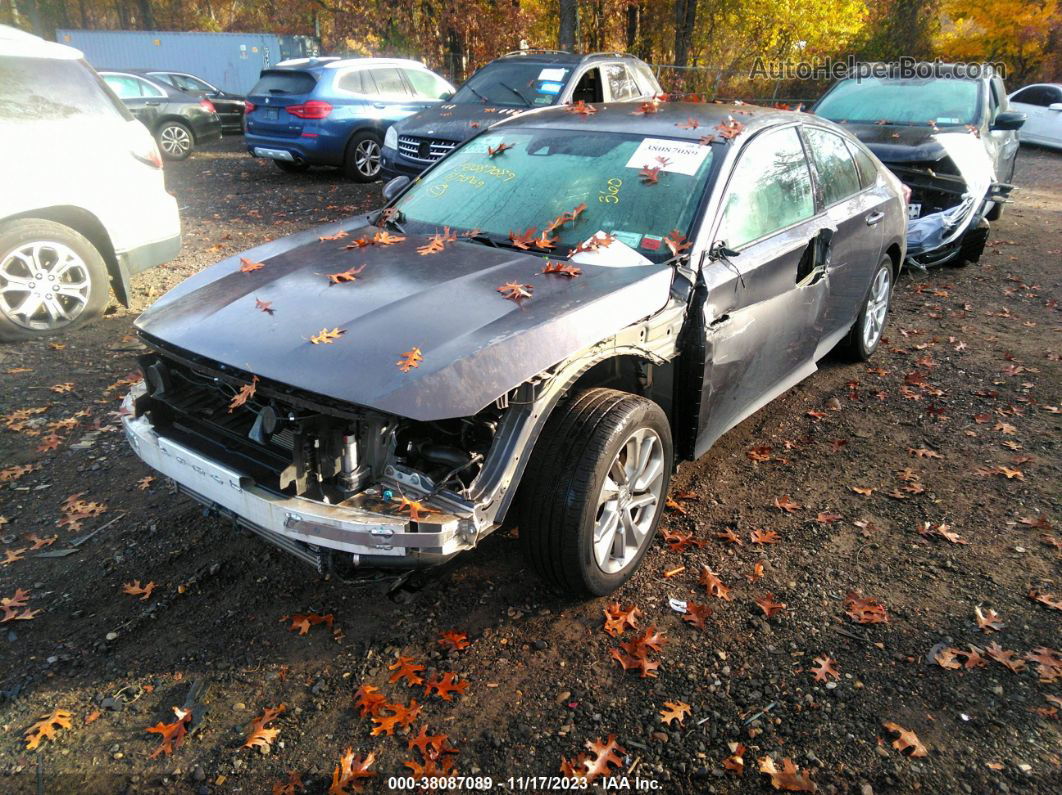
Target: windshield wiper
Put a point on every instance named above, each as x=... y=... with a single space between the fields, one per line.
x=482 y=238
x=485 y=100
x=525 y=99
x=394 y=219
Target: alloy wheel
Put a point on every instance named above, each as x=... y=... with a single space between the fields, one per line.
x=367 y=158
x=627 y=504
x=43 y=285
x=877 y=306
x=175 y=141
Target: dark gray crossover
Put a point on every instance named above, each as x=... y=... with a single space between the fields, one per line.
x=515 y=83
x=534 y=332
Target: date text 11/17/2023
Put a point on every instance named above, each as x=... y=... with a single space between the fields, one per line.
x=521 y=783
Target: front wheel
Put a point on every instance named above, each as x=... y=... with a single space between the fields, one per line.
x=362 y=161
x=595 y=489
x=175 y=140
x=51 y=279
x=866 y=332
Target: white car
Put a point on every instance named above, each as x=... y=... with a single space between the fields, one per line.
x=83 y=205
x=1042 y=104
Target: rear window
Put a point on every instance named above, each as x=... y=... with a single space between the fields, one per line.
x=284 y=81
x=38 y=89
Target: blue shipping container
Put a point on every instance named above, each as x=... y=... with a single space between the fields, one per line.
x=230 y=61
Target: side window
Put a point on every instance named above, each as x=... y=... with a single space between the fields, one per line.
x=834 y=165
x=358 y=81
x=390 y=84
x=124 y=87
x=588 y=89
x=868 y=169
x=1054 y=95
x=769 y=190
x=164 y=78
x=621 y=85
x=148 y=90
x=426 y=85
x=1037 y=95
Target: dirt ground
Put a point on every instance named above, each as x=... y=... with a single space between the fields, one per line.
x=954 y=424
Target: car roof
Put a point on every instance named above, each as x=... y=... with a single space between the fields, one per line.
x=145 y=74
x=19 y=43
x=619 y=118
x=562 y=56
x=333 y=62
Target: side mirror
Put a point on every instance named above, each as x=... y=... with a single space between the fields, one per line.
x=446 y=95
x=393 y=187
x=1055 y=106
x=1009 y=120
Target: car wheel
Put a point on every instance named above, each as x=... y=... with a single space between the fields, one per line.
x=865 y=335
x=362 y=161
x=292 y=167
x=595 y=489
x=995 y=213
x=175 y=140
x=51 y=279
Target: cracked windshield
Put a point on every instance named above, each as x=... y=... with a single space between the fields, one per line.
x=635 y=188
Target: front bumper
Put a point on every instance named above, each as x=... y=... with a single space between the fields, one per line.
x=371 y=537
x=392 y=165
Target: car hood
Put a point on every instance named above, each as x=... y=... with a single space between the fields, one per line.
x=476 y=344
x=900 y=143
x=454 y=122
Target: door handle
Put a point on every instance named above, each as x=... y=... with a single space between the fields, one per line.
x=152 y=104
x=874 y=217
x=379 y=105
x=719 y=322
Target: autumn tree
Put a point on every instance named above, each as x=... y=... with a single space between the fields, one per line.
x=1016 y=32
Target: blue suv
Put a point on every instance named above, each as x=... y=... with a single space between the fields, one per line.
x=334 y=112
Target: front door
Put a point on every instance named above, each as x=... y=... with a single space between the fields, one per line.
x=766 y=290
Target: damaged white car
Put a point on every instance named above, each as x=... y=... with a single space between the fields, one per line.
x=953 y=142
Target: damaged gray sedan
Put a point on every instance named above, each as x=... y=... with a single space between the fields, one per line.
x=533 y=333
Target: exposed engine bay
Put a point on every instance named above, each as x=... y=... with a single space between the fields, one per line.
x=949 y=199
x=301 y=446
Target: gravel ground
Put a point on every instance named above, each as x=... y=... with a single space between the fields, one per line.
x=954 y=424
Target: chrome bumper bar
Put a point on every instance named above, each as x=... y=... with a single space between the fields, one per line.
x=348 y=529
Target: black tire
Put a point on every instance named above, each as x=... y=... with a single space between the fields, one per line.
x=362 y=160
x=559 y=494
x=175 y=140
x=995 y=213
x=290 y=167
x=90 y=301
x=855 y=344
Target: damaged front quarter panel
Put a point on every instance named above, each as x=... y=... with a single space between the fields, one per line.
x=935 y=237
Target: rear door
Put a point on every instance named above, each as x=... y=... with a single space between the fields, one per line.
x=143 y=99
x=763 y=313
x=395 y=97
x=276 y=91
x=855 y=213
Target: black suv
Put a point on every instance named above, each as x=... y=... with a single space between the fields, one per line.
x=518 y=81
x=950 y=136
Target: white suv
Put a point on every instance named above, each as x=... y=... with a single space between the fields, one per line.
x=83 y=205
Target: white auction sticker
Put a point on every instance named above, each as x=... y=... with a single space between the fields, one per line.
x=552 y=74
x=679 y=157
